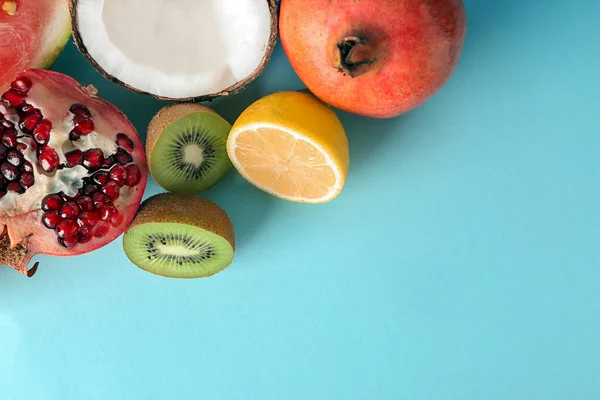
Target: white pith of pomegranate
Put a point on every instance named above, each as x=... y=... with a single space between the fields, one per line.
x=72 y=169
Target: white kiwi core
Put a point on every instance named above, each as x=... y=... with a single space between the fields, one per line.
x=176 y=48
x=193 y=154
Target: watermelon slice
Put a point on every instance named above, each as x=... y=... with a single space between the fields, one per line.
x=32 y=35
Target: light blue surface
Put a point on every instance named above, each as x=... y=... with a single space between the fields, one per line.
x=460 y=262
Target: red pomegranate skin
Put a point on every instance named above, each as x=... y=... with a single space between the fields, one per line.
x=22 y=216
x=376 y=58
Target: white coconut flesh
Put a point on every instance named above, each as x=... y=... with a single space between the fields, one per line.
x=176 y=49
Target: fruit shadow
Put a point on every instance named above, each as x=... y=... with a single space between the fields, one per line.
x=232 y=106
x=483 y=19
x=367 y=137
x=247 y=207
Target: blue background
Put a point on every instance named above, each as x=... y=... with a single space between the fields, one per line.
x=460 y=262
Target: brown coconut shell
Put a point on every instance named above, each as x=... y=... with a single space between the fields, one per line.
x=207 y=97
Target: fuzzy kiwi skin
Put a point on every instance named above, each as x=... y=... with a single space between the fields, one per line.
x=185 y=208
x=165 y=117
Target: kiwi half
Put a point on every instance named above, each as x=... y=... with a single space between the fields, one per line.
x=186 y=148
x=179 y=235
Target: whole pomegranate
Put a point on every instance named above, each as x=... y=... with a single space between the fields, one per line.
x=377 y=58
x=72 y=169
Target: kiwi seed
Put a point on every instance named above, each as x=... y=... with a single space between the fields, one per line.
x=179 y=235
x=186 y=148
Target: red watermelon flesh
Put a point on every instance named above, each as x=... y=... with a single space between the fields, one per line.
x=32 y=35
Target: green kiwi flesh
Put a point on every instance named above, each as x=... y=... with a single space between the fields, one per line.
x=190 y=154
x=177 y=250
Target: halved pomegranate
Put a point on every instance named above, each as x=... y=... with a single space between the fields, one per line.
x=72 y=169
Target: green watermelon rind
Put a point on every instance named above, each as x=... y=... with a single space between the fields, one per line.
x=60 y=37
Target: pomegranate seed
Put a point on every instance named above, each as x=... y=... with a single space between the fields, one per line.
x=9 y=138
x=51 y=219
x=27 y=167
x=122 y=157
x=14 y=157
x=24 y=109
x=80 y=111
x=69 y=210
x=15 y=187
x=27 y=180
x=8 y=124
x=85 y=235
x=125 y=142
x=48 y=159
x=93 y=159
x=83 y=126
x=30 y=120
x=85 y=203
x=100 y=199
x=73 y=136
x=67 y=228
x=74 y=158
x=21 y=147
x=118 y=174
x=117 y=219
x=111 y=189
x=9 y=171
x=108 y=162
x=41 y=132
x=12 y=98
x=52 y=202
x=101 y=178
x=88 y=218
x=134 y=176
x=107 y=211
x=69 y=241
x=2 y=150
x=22 y=84
x=101 y=229
x=89 y=189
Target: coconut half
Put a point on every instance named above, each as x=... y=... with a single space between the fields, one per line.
x=177 y=50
